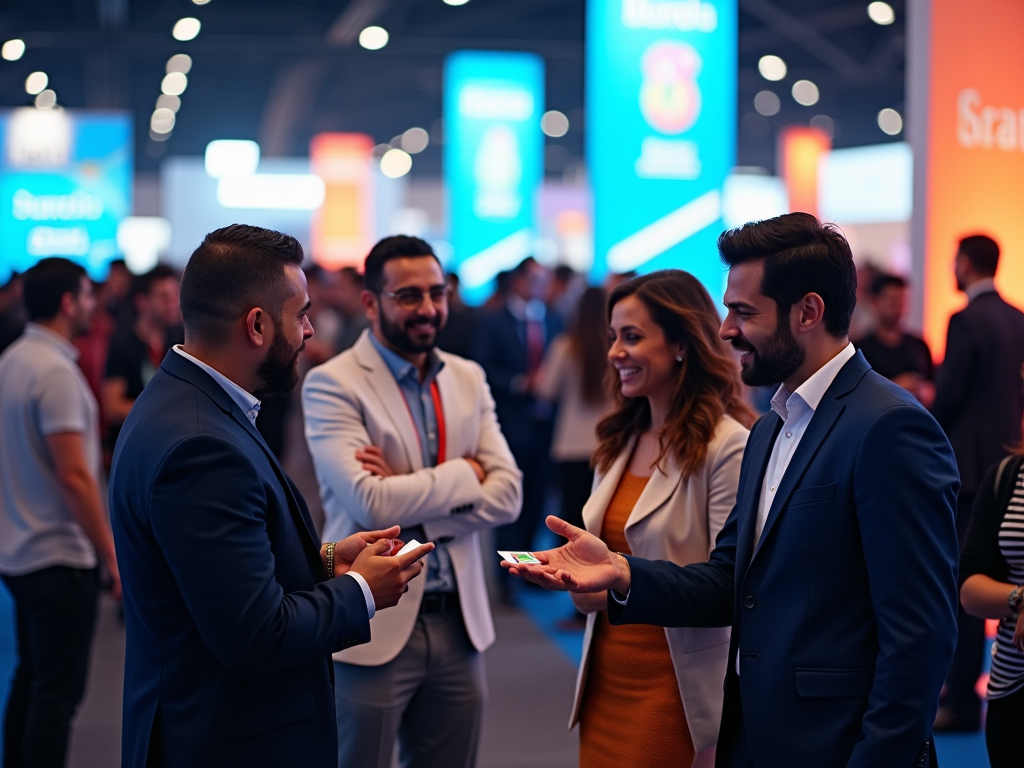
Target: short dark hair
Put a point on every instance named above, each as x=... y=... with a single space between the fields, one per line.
x=885 y=280
x=45 y=284
x=800 y=255
x=983 y=253
x=143 y=284
x=523 y=266
x=352 y=275
x=393 y=247
x=235 y=269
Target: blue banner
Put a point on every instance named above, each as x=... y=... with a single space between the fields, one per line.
x=493 y=161
x=661 y=132
x=65 y=185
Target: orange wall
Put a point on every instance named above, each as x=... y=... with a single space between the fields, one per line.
x=975 y=172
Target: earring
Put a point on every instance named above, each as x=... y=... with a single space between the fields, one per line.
x=679 y=358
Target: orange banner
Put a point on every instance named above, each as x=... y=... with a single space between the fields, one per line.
x=342 y=229
x=800 y=149
x=974 y=181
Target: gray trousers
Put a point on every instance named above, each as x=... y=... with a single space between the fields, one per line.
x=430 y=697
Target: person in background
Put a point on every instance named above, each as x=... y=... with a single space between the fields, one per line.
x=93 y=346
x=458 y=333
x=863 y=320
x=401 y=431
x=510 y=345
x=668 y=465
x=12 y=311
x=345 y=298
x=135 y=353
x=992 y=587
x=567 y=285
x=979 y=403
x=897 y=354
x=496 y=300
x=573 y=378
x=53 y=525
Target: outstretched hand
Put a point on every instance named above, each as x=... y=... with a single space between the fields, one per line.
x=585 y=564
x=348 y=549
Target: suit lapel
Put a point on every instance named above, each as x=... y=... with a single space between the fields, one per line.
x=759 y=448
x=597 y=504
x=659 y=489
x=383 y=385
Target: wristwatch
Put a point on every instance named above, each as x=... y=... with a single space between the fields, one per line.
x=1015 y=598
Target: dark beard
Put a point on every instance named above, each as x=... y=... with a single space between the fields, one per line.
x=400 y=339
x=279 y=371
x=776 y=362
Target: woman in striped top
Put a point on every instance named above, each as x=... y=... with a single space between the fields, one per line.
x=991 y=578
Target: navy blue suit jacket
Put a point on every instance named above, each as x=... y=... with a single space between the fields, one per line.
x=845 y=616
x=230 y=624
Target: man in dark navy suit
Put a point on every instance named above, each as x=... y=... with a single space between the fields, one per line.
x=837 y=567
x=232 y=606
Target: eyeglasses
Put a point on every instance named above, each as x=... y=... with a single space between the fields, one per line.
x=412 y=298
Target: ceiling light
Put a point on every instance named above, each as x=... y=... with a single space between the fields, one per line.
x=395 y=163
x=824 y=123
x=174 y=84
x=415 y=140
x=200 y=2
x=46 y=99
x=36 y=83
x=881 y=13
x=186 y=29
x=455 y=2
x=554 y=124
x=767 y=103
x=162 y=120
x=274 y=191
x=805 y=92
x=179 y=62
x=231 y=157
x=166 y=101
x=13 y=49
x=772 y=68
x=158 y=136
x=890 y=121
x=373 y=38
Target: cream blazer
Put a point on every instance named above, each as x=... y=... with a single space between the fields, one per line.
x=353 y=401
x=679 y=520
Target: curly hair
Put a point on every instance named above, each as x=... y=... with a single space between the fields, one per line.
x=707 y=385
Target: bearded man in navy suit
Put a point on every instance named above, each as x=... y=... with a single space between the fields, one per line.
x=837 y=567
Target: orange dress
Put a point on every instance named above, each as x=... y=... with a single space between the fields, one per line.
x=631 y=714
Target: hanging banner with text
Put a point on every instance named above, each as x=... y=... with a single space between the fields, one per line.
x=661 y=132
x=493 y=161
x=966 y=125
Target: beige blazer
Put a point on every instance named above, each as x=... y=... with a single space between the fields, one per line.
x=353 y=401
x=679 y=520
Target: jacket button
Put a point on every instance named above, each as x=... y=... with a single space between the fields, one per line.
x=748 y=601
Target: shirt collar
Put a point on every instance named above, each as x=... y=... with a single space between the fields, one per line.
x=978 y=287
x=401 y=368
x=44 y=334
x=811 y=391
x=248 y=403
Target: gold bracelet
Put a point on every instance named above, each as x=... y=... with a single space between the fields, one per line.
x=330 y=559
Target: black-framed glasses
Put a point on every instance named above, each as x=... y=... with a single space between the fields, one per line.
x=412 y=298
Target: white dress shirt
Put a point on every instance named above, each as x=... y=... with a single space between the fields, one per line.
x=250 y=406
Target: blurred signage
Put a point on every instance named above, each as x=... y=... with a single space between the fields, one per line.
x=866 y=185
x=801 y=149
x=65 y=185
x=661 y=115
x=343 y=227
x=966 y=123
x=493 y=161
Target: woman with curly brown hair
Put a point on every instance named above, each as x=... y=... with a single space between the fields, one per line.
x=668 y=463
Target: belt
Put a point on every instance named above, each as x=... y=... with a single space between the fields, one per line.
x=439 y=602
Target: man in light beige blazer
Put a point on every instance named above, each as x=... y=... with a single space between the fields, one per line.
x=401 y=431
x=679 y=519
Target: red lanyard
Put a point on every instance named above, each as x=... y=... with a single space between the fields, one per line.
x=435 y=395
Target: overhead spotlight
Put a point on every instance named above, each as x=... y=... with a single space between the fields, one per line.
x=890 y=121
x=767 y=103
x=179 y=62
x=162 y=120
x=36 y=83
x=455 y=2
x=373 y=38
x=881 y=13
x=554 y=124
x=167 y=101
x=395 y=163
x=824 y=123
x=174 y=84
x=159 y=136
x=230 y=158
x=13 y=49
x=772 y=68
x=806 y=93
x=415 y=140
x=46 y=99
x=186 y=29
x=200 y=2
